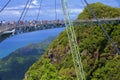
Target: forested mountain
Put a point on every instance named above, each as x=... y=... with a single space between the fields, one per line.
x=99 y=58
x=14 y=66
x=101 y=11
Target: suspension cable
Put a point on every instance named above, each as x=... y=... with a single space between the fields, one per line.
x=73 y=42
x=55 y=10
x=27 y=8
x=23 y=11
x=101 y=26
x=91 y=22
x=5 y=6
x=37 y=18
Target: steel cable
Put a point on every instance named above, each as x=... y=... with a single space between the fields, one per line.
x=102 y=27
x=5 y=6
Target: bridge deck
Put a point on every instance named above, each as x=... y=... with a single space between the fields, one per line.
x=13 y=25
x=23 y=28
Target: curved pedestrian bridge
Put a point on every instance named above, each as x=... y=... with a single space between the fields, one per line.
x=13 y=28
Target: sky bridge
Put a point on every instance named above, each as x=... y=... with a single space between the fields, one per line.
x=12 y=28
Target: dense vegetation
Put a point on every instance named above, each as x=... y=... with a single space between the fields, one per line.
x=101 y=11
x=14 y=66
x=99 y=58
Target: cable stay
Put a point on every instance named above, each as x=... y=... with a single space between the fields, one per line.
x=102 y=27
x=27 y=8
x=23 y=11
x=55 y=10
x=104 y=21
x=76 y=56
x=73 y=42
x=37 y=18
x=5 y=6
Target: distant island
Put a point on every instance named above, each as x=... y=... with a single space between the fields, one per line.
x=14 y=66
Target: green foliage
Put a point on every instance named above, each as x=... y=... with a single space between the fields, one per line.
x=45 y=72
x=101 y=11
x=98 y=55
x=110 y=71
x=14 y=66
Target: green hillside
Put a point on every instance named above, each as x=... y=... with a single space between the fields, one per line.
x=98 y=56
x=14 y=66
x=101 y=11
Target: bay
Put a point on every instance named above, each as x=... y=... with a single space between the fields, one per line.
x=11 y=44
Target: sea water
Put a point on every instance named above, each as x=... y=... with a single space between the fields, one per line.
x=11 y=44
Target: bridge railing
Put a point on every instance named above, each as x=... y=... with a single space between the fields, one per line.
x=12 y=24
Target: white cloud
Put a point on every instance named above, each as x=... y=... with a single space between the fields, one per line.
x=15 y=7
x=21 y=7
x=35 y=2
x=76 y=10
x=10 y=13
x=47 y=11
x=59 y=11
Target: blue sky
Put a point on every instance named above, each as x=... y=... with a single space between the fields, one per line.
x=15 y=7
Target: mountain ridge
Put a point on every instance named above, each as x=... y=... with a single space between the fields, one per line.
x=99 y=58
